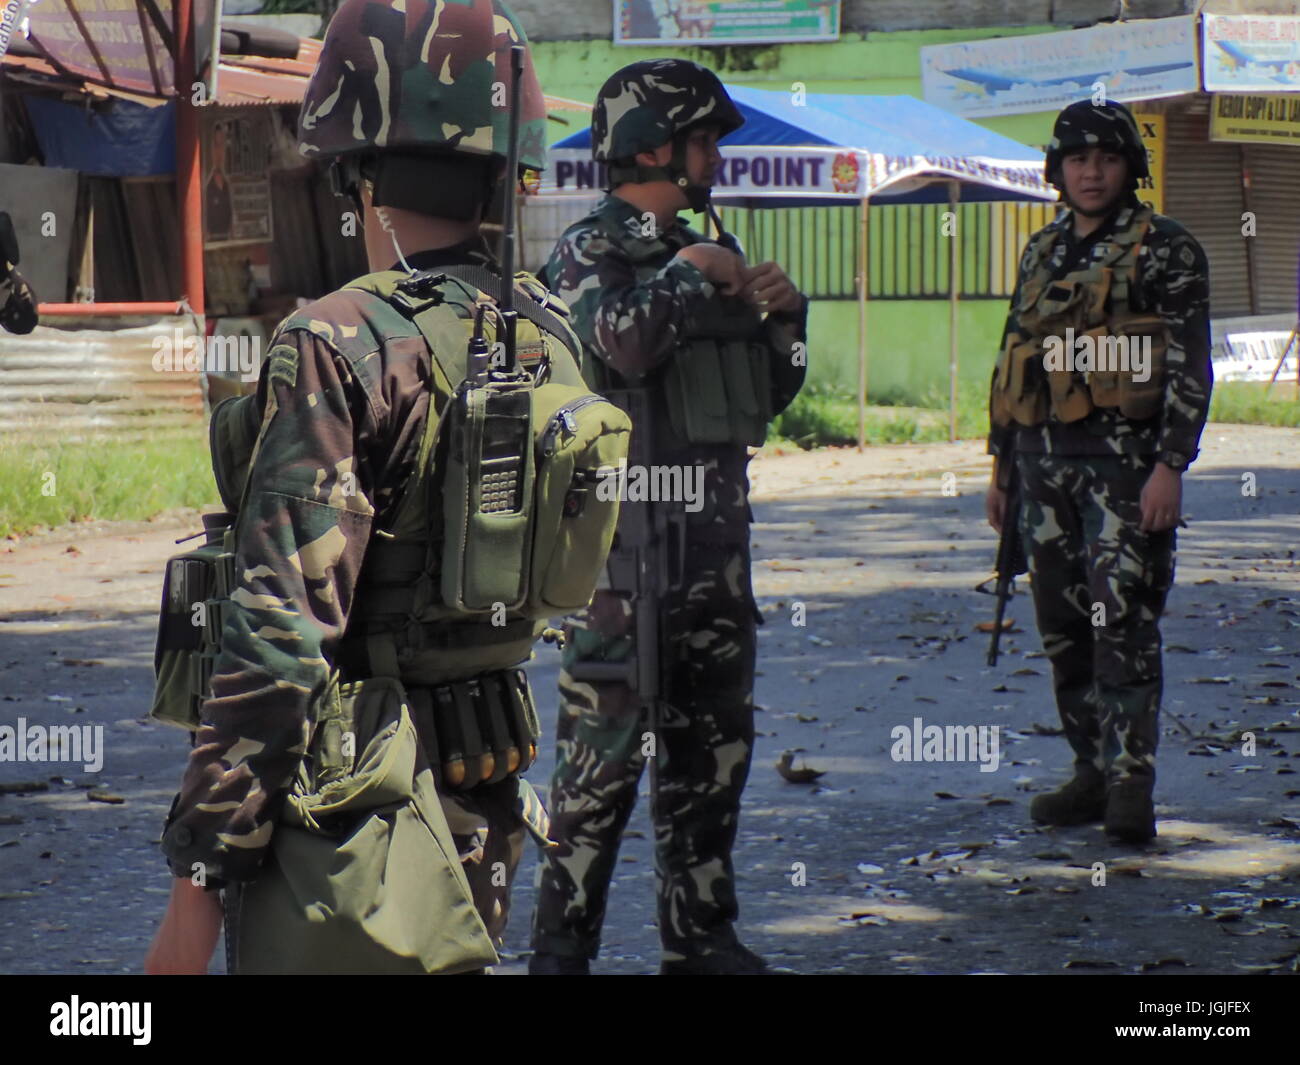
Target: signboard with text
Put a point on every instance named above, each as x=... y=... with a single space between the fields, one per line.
x=725 y=21
x=1251 y=53
x=116 y=42
x=1256 y=119
x=802 y=172
x=1139 y=60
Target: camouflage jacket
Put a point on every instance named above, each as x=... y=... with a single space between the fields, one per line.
x=344 y=397
x=1173 y=280
x=631 y=316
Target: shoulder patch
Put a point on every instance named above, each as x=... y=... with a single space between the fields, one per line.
x=283 y=364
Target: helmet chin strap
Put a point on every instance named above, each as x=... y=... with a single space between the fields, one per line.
x=674 y=171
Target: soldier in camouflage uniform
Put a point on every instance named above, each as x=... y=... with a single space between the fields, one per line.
x=402 y=100
x=641 y=286
x=1100 y=452
x=17 y=300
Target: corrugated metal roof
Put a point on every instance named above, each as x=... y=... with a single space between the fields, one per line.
x=95 y=380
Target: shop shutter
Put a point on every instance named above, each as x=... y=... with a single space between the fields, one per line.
x=1274 y=171
x=1203 y=192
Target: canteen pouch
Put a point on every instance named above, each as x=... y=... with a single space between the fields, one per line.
x=487 y=494
x=362 y=874
x=582 y=457
x=189 y=638
x=1145 y=333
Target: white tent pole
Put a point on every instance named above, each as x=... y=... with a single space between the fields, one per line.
x=862 y=320
x=954 y=259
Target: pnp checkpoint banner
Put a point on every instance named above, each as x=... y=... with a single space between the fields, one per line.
x=812 y=173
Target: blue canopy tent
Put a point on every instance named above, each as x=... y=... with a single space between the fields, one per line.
x=814 y=149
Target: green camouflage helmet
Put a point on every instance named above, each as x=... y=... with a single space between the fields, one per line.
x=1086 y=125
x=647 y=104
x=421 y=76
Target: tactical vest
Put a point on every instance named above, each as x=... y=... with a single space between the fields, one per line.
x=1080 y=344
x=498 y=529
x=716 y=388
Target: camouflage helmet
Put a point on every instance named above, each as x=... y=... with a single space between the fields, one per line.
x=647 y=104
x=1087 y=125
x=423 y=76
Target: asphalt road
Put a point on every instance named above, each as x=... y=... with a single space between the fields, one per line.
x=880 y=866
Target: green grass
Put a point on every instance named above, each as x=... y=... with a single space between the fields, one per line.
x=101 y=478
x=820 y=418
x=1254 y=403
x=108 y=478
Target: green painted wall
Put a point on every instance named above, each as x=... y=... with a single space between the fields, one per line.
x=907 y=345
x=907 y=339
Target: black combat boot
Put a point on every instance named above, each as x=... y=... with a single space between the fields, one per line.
x=1130 y=808
x=1078 y=802
x=733 y=960
x=542 y=964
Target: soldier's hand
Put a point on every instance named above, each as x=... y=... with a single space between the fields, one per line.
x=724 y=268
x=769 y=289
x=1162 y=499
x=995 y=505
x=188 y=933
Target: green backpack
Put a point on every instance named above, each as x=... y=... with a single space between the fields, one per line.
x=362 y=873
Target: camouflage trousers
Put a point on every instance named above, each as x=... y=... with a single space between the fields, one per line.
x=701 y=757
x=489 y=839
x=1099 y=587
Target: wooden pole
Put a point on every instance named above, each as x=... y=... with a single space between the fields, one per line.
x=863 y=212
x=954 y=261
x=189 y=189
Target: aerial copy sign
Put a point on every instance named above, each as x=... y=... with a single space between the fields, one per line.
x=1044 y=72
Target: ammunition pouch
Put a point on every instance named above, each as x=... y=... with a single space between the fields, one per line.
x=718 y=383
x=195 y=587
x=473 y=732
x=1036 y=375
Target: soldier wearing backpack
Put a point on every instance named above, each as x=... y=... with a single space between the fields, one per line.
x=407 y=502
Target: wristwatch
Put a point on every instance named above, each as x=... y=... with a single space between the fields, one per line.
x=1175 y=460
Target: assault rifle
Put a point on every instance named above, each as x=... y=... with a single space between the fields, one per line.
x=1010 y=561
x=646 y=563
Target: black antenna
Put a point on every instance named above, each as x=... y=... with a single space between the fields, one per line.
x=509 y=316
x=724 y=238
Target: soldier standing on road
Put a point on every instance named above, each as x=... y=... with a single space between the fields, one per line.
x=330 y=574
x=1100 y=447
x=658 y=307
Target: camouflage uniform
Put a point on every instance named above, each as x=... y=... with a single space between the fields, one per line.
x=630 y=299
x=345 y=392
x=17 y=300
x=1081 y=483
